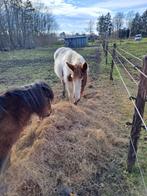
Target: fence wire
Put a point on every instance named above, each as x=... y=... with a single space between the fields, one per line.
x=127 y=71
x=130 y=54
x=129 y=94
x=134 y=66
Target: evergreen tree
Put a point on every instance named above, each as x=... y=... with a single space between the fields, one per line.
x=144 y=23
x=136 y=25
x=104 y=25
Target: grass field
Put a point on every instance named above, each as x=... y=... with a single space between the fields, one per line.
x=106 y=103
x=26 y=66
x=21 y=67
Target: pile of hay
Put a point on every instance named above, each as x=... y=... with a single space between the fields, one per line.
x=78 y=150
x=64 y=153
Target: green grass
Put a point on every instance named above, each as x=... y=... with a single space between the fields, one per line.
x=25 y=66
x=20 y=67
x=137 y=48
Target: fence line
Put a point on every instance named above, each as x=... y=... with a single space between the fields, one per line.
x=131 y=54
x=134 y=66
x=127 y=71
x=128 y=92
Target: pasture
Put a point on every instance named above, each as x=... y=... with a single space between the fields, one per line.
x=82 y=148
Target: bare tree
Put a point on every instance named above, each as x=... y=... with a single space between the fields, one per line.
x=20 y=23
x=129 y=19
x=118 y=22
x=90 y=27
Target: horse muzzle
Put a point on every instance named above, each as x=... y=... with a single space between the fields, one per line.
x=76 y=102
x=45 y=115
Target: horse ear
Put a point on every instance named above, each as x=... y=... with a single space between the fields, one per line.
x=84 y=68
x=70 y=66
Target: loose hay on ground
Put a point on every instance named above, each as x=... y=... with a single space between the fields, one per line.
x=60 y=148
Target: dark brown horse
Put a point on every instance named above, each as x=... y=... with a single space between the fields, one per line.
x=16 y=108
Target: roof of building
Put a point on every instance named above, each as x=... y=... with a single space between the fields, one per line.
x=75 y=37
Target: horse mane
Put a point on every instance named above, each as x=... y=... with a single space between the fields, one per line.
x=32 y=96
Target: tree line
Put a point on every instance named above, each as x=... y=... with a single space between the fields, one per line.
x=22 y=25
x=134 y=24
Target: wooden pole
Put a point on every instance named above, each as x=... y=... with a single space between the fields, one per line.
x=106 y=51
x=112 y=63
x=137 y=122
x=103 y=45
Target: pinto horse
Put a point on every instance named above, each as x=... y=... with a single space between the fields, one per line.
x=72 y=70
x=16 y=108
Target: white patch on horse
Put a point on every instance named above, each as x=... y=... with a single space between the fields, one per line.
x=71 y=68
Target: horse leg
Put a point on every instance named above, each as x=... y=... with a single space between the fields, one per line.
x=63 y=92
x=68 y=89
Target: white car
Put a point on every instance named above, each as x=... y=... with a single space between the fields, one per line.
x=138 y=37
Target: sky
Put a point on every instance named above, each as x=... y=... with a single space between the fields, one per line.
x=74 y=15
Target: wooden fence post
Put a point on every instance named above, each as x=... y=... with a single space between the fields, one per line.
x=137 y=122
x=112 y=63
x=103 y=44
x=106 y=51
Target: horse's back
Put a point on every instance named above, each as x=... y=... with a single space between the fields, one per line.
x=60 y=52
x=60 y=61
x=69 y=55
x=63 y=55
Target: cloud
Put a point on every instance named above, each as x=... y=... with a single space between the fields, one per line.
x=60 y=7
x=73 y=15
x=72 y=7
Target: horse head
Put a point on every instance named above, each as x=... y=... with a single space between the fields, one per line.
x=79 y=79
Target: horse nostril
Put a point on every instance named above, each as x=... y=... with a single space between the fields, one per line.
x=76 y=102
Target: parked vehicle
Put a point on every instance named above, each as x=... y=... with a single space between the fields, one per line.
x=138 y=37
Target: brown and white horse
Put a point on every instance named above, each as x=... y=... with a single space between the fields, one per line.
x=72 y=70
x=16 y=108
